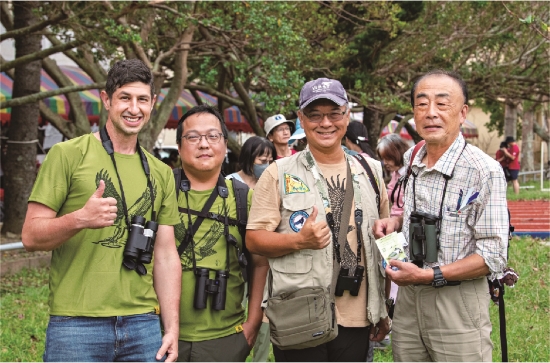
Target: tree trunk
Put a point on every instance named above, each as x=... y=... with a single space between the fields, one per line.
x=20 y=164
x=527 y=156
x=510 y=118
x=372 y=120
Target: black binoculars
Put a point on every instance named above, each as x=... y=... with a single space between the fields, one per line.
x=216 y=287
x=351 y=283
x=140 y=245
x=423 y=238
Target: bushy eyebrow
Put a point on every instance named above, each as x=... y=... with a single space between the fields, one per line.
x=146 y=95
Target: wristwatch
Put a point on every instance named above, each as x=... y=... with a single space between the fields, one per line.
x=439 y=280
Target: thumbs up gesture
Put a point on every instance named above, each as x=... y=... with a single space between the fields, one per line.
x=98 y=212
x=314 y=235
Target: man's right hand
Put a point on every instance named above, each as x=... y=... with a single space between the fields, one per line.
x=314 y=235
x=386 y=226
x=98 y=212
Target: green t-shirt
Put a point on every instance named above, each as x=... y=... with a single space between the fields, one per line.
x=86 y=275
x=210 y=252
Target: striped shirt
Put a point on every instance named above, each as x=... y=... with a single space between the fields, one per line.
x=481 y=227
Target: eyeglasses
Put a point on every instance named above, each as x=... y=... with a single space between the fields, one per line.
x=211 y=138
x=333 y=116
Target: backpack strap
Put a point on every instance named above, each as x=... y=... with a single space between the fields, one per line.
x=367 y=168
x=404 y=180
x=177 y=177
x=413 y=155
x=240 y=190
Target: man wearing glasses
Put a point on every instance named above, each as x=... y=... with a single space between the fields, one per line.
x=213 y=326
x=298 y=206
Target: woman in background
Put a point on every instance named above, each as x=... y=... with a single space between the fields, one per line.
x=391 y=149
x=256 y=155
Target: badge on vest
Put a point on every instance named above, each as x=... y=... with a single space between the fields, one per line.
x=297 y=220
x=293 y=184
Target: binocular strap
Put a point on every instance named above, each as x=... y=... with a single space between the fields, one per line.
x=108 y=146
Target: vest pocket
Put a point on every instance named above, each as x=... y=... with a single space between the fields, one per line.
x=293 y=263
x=299 y=201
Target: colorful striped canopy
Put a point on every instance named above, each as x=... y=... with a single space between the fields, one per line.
x=234 y=120
x=233 y=117
x=468 y=129
x=58 y=104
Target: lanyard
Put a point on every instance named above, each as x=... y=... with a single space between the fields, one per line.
x=108 y=146
x=320 y=184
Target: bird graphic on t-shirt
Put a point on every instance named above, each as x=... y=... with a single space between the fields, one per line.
x=139 y=208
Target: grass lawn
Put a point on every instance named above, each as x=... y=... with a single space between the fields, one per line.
x=529 y=194
x=24 y=310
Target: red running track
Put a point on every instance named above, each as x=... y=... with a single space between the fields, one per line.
x=530 y=216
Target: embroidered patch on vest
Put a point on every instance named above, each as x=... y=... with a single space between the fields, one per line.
x=297 y=220
x=293 y=184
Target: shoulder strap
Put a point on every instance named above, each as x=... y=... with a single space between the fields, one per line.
x=177 y=177
x=405 y=179
x=367 y=168
x=240 y=190
x=413 y=155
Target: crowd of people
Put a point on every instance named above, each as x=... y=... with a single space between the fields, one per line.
x=159 y=263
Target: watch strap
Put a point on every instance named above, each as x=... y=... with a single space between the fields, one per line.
x=439 y=280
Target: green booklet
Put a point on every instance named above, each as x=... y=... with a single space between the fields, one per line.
x=391 y=247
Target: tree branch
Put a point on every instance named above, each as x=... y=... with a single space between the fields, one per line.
x=40 y=55
x=6 y=16
x=88 y=65
x=30 y=29
x=77 y=112
x=42 y=95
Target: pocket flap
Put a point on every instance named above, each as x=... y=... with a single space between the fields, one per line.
x=299 y=201
x=293 y=263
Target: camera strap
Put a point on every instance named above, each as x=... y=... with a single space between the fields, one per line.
x=108 y=146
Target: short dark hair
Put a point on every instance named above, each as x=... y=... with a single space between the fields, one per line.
x=253 y=147
x=358 y=134
x=392 y=147
x=201 y=109
x=441 y=72
x=128 y=71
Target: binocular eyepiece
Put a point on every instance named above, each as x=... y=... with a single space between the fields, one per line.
x=217 y=287
x=140 y=245
x=351 y=283
x=423 y=238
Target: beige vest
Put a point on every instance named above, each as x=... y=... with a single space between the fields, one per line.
x=306 y=268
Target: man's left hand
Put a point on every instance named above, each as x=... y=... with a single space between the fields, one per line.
x=408 y=273
x=169 y=347
x=250 y=333
x=379 y=331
